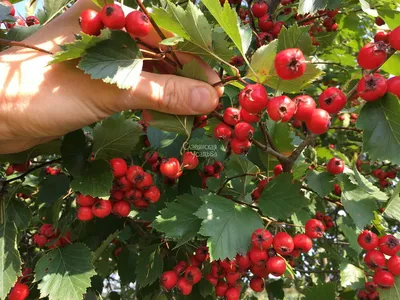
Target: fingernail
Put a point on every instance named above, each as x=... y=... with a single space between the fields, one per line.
x=201 y=101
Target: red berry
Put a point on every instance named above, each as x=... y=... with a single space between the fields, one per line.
x=40 y=240
x=319 y=122
x=135 y=174
x=276 y=266
x=382 y=36
x=319 y=215
x=47 y=230
x=261 y=238
x=194 y=262
x=232 y=278
x=222 y=131
x=259 y=9
x=90 y=22
x=119 y=167
x=373 y=296
x=277 y=29
x=281 y=108
x=137 y=24
x=180 y=267
x=151 y=157
x=184 y=286
x=370 y=286
x=190 y=160
x=200 y=121
x=264 y=38
x=383 y=279
x=302 y=242
x=243 y=261
x=362 y=295
x=332 y=100
x=124 y=184
x=237 y=61
x=335 y=166
x=305 y=106
x=243 y=131
x=102 y=208
x=18 y=23
x=170 y=167
x=258 y=256
x=201 y=253
x=248 y=117
x=8 y=3
x=152 y=194
x=232 y=294
x=394 y=38
x=113 y=16
x=240 y=147
x=337 y=190
x=32 y=20
x=314 y=228
x=290 y=64
x=283 y=243
x=265 y=24
x=193 y=274
x=84 y=213
x=375 y=260
x=121 y=208
x=389 y=245
x=391 y=174
x=9 y=170
x=379 y=21
x=140 y=204
x=85 y=200
x=146 y=182
x=393 y=265
x=21 y=167
x=278 y=169
x=209 y=169
x=231 y=116
x=218 y=167
x=221 y=288
x=368 y=240
x=372 y=87
x=20 y=291
x=332 y=13
x=257 y=284
x=259 y=270
x=212 y=280
x=253 y=98
x=393 y=86
x=372 y=56
x=378 y=173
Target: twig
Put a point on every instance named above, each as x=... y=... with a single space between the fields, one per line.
x=296 y=153
x=233 y=177
x=318 y=271
x=272 y=221
x=32 y=170
x=345 y=128
x=282 y=158
x=225 y=80
x=325 y=198
x=23 y=45
x=157 y=29
x=267 y=137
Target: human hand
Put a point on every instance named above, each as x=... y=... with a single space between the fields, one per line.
x=39 y=103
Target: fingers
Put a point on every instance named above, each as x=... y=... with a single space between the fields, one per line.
x=172 y=94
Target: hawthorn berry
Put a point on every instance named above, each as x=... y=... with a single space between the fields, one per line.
x=370 y=286
x=276 y=29
x=184 y=286
x=232 y=293
x=90 y=22
x=281 y=108
x=151 y=157
x=121 y=208
x=394 y=38
x=113 y=16
x=305 y=106
x=240 y=147
x=32 y=20
x=201 y=253
x=373 y=296
x=332 y=100
x=276 y=266
x=261 y=238
x=190 y=160
x=258 y=256
x=264 y=38
x=389 y=245
x=40 y=240
x=278 y=169
x=337 y=190
x=20 y=291
x=383 y=279
x=170 y=167
x=368 y=240
x=243 y=261
x=283 y=243
x=222 y=131
x=248 y=117
x=9 y=170
x=265 y=23
x=102 y=208
x=393 y=265
x=259 y=270
x=85 y=200
x=221 y=288
x=290 y=63
x=372 y=55
x=379 y=21
x=378 y=173
x=243 y=131
x=218 y=167
x=193 y=274
x=372 y=87
x=391 y=174
x=8 y=4
x=253 y=98
x=231 y=116
x=232 y=278
x=84 y=213
x=335 y=166
x=124 y=184
x=18 y=23
x=319 y=122
x=135 y=174
x=382 y=36
x=180 y=267
x=200 y=121
x=259 y=9
x=138 y=24
x=393 y=85
x=257 y=284
x=237 y=61
x=302 y=242
x=146 y=182
x=362 y=295
x=211 y=279
x=47 y=230
x=375 y=260
x=314 y=228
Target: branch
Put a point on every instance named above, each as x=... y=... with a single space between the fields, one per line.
x=225 y=80
x=32 y=170
x=264 y=148
x=267 y=137
x=233 y=177
x=318 y=271
x=325 y=198
x=23 y=45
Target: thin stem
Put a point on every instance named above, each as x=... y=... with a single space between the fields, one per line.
x=32 y=170
x=225 y=80
x=233 y=177
x=23 y=45
x=267 y=137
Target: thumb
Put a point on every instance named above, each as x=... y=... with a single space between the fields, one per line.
x=174 y=94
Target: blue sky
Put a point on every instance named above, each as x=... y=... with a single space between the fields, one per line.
x=20 y=7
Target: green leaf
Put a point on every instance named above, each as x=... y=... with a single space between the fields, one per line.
x=96 y=180
x=53 y=7
x=391 y=17
x=78 y=48
x=238 y=165
x=320 y=182
x=307 y=6
x=357 y=203
x=172 y=41
x=5 y=14
x=127 y=264
x=351 y=276
x=149 y=265
x=19 y=33
x=227 y=225
x=74 y=152
x=167 y=122
x=227 y=18
x=282 y=197
x=64 y=273
x=49 y=148
x=104 y=245
x=178 y=221
x=363 y=183
x=115 y=137
x=281 y=135
x=193 y=70
x=392 y=293
x=53 y=188
x=296 y=37
x=101 y=3
x=351 y=235
x=10 y=260
x=392 y=65
x=379 y=120
x=392 y=210
x=19 y=213
x=321 y=291
x=116 y=60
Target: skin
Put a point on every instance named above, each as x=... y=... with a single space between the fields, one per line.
x=39 y=103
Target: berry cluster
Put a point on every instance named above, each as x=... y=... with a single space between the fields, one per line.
x=29 y=21
x=136 y=23
x=46 y=236
x=52 y=170
x=326 y=219
x=375 y=259
x=383 y=176
x=212 y=170
x=20 y=290
x=17 y=168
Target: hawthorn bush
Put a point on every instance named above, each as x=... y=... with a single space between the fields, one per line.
x=289 y=189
